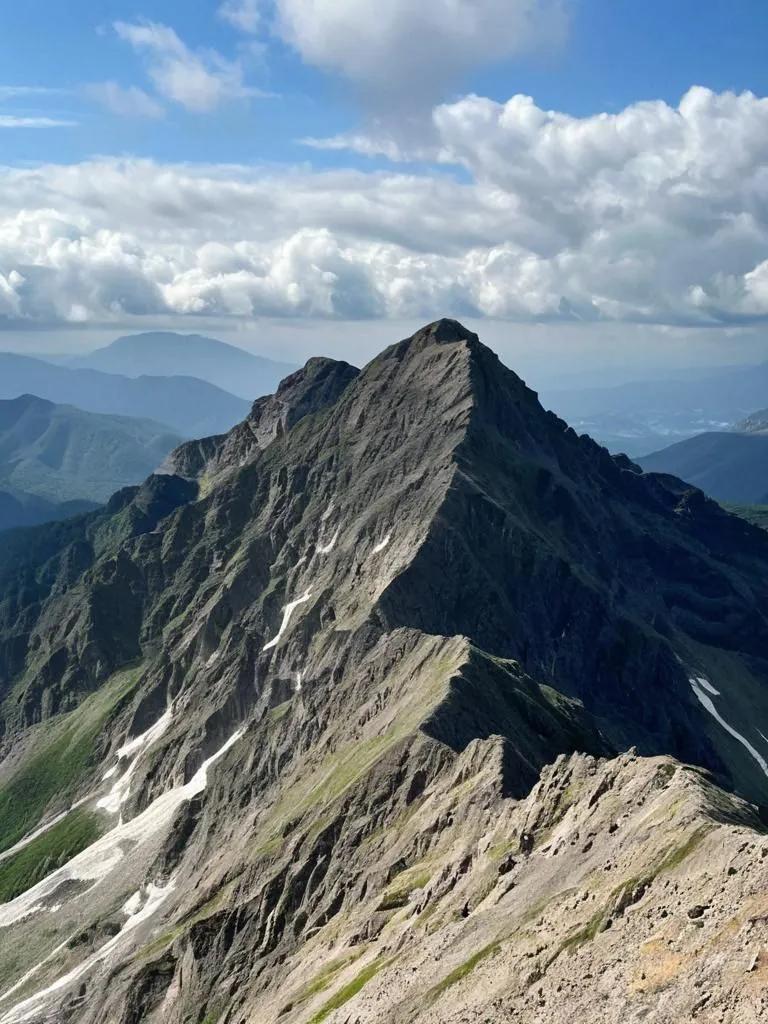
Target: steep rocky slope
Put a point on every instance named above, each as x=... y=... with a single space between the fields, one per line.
x=276 y=725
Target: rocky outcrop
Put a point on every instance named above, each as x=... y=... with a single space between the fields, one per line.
x=316 y=386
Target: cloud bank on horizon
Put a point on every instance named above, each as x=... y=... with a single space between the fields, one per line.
x=654 y=213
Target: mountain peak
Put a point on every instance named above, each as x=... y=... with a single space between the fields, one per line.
x=444 y=332
x=27 y=401
x=440 y=332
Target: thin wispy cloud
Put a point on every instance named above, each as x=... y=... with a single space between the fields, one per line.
x=199 y=81
x=244 y=15
x=125 y=101
x=22 y=121
x=14 y=92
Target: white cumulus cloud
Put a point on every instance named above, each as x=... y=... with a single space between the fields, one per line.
x=407 y=49
x=656 y=214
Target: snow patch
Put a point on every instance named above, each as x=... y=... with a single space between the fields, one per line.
x=146 y=738
x=708 y=704
x=382 y=544
x=705 y=684
x=112 y=801
x=298 y=682
x=288 y=611
x=98 y=860
x=118 y=794
x=323 y=549
x=139 y=908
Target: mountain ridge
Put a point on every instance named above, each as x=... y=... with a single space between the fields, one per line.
x=334 y=675
x=185 y=404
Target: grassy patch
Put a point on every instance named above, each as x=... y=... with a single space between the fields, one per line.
x=278 y=711
x=49 y=851
x=351 y=989
x=672 y=859
x=588 y=932
x=397 y=893
x=460 y=972
x=62 y=751
x=677 y=856
x=323 y=979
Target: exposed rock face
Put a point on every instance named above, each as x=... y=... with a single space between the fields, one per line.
x=344 y=696
x=317 y=385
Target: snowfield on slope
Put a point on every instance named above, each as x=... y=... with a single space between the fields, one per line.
x=98 y=860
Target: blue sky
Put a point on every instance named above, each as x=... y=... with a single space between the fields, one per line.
x=616 y=52
x=273 y=169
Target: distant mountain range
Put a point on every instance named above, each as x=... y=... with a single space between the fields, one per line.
x=189 y=406
x=165 y=354
x=729 y=467
x=61 y=454
x=20 y=509
x=643 y=416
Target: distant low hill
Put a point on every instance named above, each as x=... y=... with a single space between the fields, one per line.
x=165 y=353
x=20 y=509
x=730 y=467
x=191 y=407
x=755 y=514
x=57 y=453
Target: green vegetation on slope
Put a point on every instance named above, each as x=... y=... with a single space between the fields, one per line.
x=351 y=989
x=61 y=453
x=49 y=851
x=61 y=752
x=755 y=514
x=462 y=971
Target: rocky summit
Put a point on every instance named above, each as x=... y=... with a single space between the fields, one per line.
x=400 y=702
